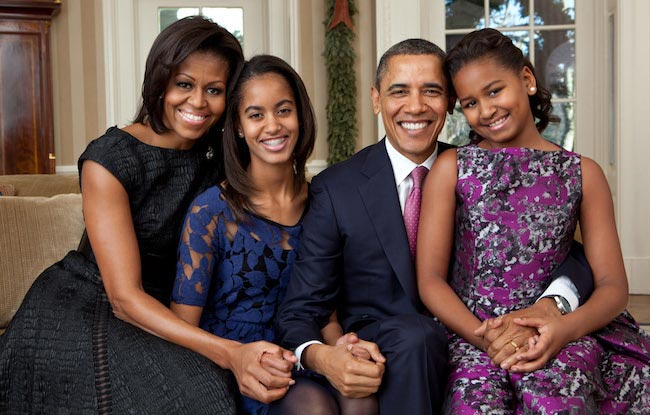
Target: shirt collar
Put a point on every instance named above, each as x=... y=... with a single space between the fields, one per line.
x=402 y=166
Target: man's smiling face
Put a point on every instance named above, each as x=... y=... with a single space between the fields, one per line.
x=412 y=99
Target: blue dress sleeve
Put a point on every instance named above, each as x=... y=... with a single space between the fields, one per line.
x=198 y=250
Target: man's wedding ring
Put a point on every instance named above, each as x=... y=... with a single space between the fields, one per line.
x=513 y=344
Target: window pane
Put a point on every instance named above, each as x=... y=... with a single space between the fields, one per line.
x=465 y=14
x=457 y=127
x=232 y=18
x=555 y=61
x=508 y=13
x=168 y=15
x=521 y=39
x=551 y=12
x=562 y=133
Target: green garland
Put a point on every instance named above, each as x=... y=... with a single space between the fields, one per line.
x=341 y=87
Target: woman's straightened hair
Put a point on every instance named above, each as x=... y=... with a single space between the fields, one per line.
x=172 y=46
x=492 y=44
x=239 y=188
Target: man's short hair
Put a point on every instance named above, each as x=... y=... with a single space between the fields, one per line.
x=407 y=47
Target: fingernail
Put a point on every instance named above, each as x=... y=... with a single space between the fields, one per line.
x=292 y=382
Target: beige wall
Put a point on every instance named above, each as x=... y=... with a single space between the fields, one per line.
x=365 y=67
x=312 y=67
x=633 y=147
x=78 y=79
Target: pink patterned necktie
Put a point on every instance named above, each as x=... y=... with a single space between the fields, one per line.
x=412 y=207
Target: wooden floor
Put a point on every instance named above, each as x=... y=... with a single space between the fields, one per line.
x=639 y=307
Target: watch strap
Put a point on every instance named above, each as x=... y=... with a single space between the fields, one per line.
x=562 y=304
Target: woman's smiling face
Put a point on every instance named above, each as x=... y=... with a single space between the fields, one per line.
x=195 y=97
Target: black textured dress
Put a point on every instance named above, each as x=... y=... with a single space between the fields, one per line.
x=65 y=352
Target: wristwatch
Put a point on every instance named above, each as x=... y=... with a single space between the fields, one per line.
x=562 y=304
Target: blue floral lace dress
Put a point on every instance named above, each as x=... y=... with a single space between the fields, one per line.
x=238 y=272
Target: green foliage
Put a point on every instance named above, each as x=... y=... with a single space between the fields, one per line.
x=341 y=87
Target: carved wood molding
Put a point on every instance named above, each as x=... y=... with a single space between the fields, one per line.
x=30 y=9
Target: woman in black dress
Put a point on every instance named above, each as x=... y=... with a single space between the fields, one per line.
x=94 y=334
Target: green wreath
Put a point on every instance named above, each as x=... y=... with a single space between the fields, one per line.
x=341 y=83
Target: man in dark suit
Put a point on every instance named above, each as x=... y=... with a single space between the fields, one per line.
x=355 y=256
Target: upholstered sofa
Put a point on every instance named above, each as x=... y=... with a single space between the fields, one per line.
x=40 y=221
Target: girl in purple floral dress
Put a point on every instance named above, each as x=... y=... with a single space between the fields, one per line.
x=516 y=199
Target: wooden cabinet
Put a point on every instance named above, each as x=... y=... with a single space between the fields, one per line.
x=26 y=126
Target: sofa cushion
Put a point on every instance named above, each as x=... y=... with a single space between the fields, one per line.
x=42 y=184
x=7 y=190
x=35 y=232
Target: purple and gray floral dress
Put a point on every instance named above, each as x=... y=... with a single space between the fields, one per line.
x=516 y=214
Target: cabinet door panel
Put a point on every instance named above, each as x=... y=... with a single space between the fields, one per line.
x=26 y=131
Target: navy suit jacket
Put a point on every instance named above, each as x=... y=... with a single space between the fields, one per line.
x=354 y=256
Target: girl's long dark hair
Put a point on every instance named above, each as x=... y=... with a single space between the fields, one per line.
x=493 y=44
x=239 y=188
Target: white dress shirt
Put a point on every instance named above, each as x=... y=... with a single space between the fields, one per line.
x=402 y=168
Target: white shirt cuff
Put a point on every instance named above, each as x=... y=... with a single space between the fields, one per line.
x=564 y=287
x=301 y=348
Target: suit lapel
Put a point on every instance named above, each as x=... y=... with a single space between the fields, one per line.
x=379 y=195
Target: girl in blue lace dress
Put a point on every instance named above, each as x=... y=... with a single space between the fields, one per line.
x=240 y=238
x=517 y=199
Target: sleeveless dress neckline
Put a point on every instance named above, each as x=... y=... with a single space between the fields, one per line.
x=521 y=150
x=270 y=221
